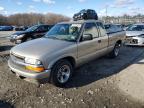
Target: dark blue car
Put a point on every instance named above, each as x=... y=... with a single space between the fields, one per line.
x=6 y=28
x=33 y=32
x=85 y=14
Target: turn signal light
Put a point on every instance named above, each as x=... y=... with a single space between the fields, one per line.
x=36 y=69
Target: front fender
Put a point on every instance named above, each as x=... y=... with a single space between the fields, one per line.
x=51 y=64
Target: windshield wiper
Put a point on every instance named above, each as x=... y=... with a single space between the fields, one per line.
x=52 y=37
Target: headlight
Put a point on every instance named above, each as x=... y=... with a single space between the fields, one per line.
x=13 y=36
x=142 y=36
x=19 y=36
x=35 y=65
x=33 y=61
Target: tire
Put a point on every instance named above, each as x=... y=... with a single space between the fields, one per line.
x=61 y=73
x=115 y=51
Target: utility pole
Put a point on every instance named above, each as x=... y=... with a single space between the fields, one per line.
x=106 y=13
x=106 y=10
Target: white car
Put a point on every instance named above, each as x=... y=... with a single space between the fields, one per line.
x=135 y=35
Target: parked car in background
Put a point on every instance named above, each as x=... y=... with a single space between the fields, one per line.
x=66 y=46
x=135 y=35
x=127 y=26
x=21 y=28
x=6 y=28
x=120 y=26
x=33 y=32
x=112 y=28
x=85 y=14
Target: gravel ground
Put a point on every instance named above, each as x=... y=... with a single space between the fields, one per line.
x=6 y=33
x=94 y=85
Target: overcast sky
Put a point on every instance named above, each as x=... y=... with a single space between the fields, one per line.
x=69 y=7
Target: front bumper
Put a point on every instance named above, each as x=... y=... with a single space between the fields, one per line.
x=15 y=40
x=21 y=72
x=134 y=41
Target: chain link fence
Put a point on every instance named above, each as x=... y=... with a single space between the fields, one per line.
x=4 y=58
x=4 y=53
x=5 y=45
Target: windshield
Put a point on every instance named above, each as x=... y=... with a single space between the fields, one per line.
x=33 y=28
x=136 y=28
x=82 y=11
x=68 y=32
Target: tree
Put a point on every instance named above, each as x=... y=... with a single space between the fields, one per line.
x=29 y=19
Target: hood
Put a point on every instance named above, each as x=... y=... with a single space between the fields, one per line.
x=134 y=33
x=39 y=47
x=21 y=32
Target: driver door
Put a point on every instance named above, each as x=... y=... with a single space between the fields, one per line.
x=87 y=50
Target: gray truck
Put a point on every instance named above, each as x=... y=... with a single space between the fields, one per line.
x=66 y=46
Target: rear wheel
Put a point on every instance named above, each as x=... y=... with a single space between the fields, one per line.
x=115 y=51
x=61 y=73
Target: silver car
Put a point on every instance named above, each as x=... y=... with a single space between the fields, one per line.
x=135 y=35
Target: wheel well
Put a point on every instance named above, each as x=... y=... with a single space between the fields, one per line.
x=119 y=42
x=71 y=60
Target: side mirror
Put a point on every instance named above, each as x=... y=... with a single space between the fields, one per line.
x=87 y=37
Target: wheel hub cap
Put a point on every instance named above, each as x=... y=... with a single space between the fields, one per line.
x=63 y=74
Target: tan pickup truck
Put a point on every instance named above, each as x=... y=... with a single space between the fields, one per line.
x=66 y=46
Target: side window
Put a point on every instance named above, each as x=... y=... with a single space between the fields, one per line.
x=119 y=28
x=113 y=28
x=41 y=29
x=47 y=28
x=90 y=28
x=91 y=12
x=101 y=29
x=116 y=28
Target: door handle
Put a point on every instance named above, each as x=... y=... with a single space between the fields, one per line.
x=99 y=41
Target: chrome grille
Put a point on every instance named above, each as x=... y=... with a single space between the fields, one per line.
x=135 y=41
x=15 y=57
x=130 y=40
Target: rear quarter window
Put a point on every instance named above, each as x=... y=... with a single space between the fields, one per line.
x=90 y=28
x=101 y=29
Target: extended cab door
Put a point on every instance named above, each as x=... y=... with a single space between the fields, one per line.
x=87 y=50
x=103 y=39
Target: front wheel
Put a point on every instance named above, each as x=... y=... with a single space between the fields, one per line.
x=61 y=73
x=115 y=51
